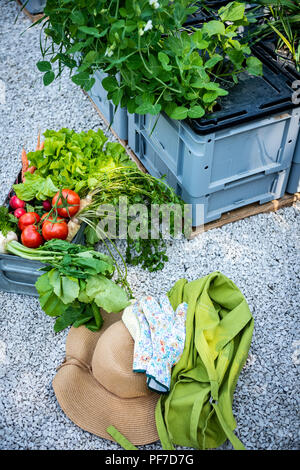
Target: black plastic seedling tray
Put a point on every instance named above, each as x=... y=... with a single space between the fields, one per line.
x=252 y=98
x=19 y=275
x=266 y=50
x=199 y=17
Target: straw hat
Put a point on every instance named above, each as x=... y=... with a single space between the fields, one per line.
x=96 y=388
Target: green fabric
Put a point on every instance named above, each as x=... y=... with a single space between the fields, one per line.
x=198 y=410
x=120 y=439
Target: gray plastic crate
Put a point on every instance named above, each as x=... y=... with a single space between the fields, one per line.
x=34 y=6
x=118 y=118
x=223 y=170
x=293 y=185
x=19 y=275
x=267 y=49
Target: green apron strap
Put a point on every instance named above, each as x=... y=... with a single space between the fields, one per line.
x=161 y=428
x=194 y=423
x=237 y=444
x=120 y=439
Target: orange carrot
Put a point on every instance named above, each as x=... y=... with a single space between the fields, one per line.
x=39 y=141
x=42 y=146
x=25 y=163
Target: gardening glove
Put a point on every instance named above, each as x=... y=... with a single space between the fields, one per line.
x=168 y=337
x=130 y=320
x=138 y=326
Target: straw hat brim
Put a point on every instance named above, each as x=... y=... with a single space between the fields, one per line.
x=91 y=406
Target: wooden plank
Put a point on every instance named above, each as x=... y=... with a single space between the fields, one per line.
x=32 y=17
x=248 y=211
x=227 y=217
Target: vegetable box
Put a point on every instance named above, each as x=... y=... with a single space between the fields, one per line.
x=19 y=275
x=240 y=154
x=117 y=117
x=266 y=50
x=34 y=6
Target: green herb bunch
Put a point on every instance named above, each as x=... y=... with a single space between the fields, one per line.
x=8 y=222
x=139 y=188
x=153 y=63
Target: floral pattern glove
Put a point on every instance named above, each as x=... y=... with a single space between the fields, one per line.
x=168 y=337
x=143 y=344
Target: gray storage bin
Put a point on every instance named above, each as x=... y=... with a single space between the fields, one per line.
x=294 y=179
x=34 y=6
x=19 y=275
x=267 y=49
x=293 y=185
x=223 y=170
x=118 y=118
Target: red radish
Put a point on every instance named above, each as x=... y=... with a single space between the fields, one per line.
x=16 y=203
x=19 y=212
x=47 y=205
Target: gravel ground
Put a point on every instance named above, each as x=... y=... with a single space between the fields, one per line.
x=260 y=254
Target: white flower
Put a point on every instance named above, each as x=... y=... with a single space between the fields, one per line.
x=154 y=3
x=148 y=25
x=109 y=52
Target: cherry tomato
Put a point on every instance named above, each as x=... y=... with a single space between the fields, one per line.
x=19 y=212
x=52 y=230
x=30 y=237
x=73 y=201
x=16 y=203
x=30 y=218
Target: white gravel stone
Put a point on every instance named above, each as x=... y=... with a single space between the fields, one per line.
x=260 y=254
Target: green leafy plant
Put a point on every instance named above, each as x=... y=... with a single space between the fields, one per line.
x=8 y=222
x=77 y=282
x=153 y=63
x=69 y=160
x=283 y=20
x=139 y=188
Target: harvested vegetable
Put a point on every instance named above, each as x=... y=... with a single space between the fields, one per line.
x=70 y=160
x=139 y=188
x=47 y=205
x=67 y=203
x=19 y=212
x=16 y=203
x=8 y=222
x=77 y=282
x=31 y=237
x=30 y=218
x=73 y=228
x=4 y=240
x=57 y=229
x=25 y=164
